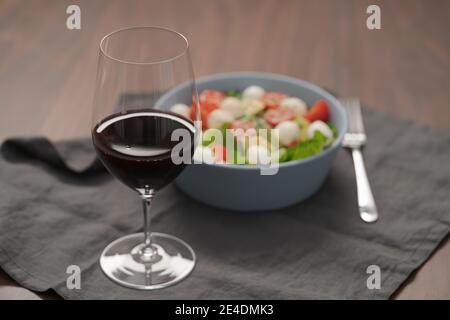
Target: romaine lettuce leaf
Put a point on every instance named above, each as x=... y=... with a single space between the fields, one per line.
x=305 y=149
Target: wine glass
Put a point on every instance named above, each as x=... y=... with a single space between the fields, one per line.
x=133 y=135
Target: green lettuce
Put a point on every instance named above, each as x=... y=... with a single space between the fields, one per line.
x=305 y=149
x=233 y=93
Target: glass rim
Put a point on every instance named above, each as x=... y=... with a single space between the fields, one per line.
x=109 y=56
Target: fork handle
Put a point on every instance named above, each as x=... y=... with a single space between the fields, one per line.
x=367 y=208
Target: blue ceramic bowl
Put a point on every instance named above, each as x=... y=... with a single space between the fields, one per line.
x=242 y=187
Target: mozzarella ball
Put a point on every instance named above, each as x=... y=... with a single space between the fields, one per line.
x=253 y=92
x=258 y=155
x=288 y=132
x=181 y=109
x=218 y=117
x=252 y=107
x=296 y=105
x=233 y=106
x=203 y=155
x=320 y=126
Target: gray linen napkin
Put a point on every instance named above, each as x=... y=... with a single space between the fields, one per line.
x=56 y=213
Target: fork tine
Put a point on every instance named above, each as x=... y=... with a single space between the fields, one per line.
x=353 y=108
x=345 y=103
x=350 y=116
x=358 y=116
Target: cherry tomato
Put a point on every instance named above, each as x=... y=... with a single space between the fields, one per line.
x=220 y=152
x=272 y=99
x=205 y=110
x=209 y=101
x=211 y=98
x=275 y=116
x=292 y=144
x=319 y=111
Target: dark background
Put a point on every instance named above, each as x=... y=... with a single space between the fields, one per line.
x=47 y=72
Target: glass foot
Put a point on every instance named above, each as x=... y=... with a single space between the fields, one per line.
x=126 y=262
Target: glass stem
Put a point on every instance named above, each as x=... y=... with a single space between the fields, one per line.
x=147 y=251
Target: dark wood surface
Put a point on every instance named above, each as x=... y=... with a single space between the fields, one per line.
x=47 y=72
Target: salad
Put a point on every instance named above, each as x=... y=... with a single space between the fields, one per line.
x=238 y=127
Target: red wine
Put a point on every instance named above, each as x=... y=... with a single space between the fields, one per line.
x=136 y=147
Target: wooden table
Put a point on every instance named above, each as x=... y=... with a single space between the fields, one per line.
x=47 y=72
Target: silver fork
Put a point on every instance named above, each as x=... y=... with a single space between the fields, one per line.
x=355 y=139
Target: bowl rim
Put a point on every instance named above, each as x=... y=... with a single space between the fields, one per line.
x=265 y=75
